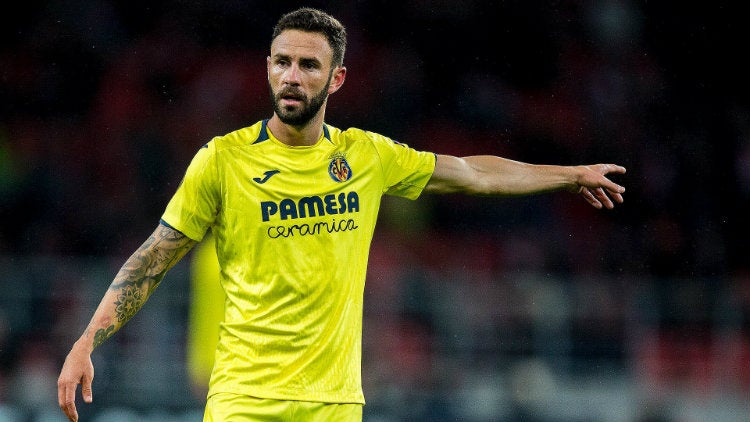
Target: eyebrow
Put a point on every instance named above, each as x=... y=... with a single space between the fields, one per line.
x=282 y=56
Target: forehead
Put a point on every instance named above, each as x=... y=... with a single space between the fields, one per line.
x=301 y=44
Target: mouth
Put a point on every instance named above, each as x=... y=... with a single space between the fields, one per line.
x=289 y=102
x=291 y=97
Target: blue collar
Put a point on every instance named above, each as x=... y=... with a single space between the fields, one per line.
x=263 y=134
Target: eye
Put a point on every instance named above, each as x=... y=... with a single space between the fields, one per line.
x=281 y=61
x=309 y=64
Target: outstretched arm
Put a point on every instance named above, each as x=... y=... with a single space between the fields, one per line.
x=132 y=286
x=497 y=176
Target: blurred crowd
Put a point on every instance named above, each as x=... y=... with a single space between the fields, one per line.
x=103 y=104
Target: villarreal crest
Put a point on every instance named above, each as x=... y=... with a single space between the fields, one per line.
x=339 y=169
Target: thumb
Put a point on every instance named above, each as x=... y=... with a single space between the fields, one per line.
x=86 y=391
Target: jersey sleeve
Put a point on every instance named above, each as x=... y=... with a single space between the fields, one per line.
x=194 y=206
x=406 y=170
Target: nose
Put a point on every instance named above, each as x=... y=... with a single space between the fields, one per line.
x=291 y=75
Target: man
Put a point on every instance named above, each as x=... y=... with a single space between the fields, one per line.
x=292 y=203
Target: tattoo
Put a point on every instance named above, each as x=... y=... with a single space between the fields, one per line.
x=128 y=303
x=103 y=334
x=142 y=273
x=148 y=265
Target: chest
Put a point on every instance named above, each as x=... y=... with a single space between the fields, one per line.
x=300 y=186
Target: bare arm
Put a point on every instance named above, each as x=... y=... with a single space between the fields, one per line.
x=132 y=286
x=497 y=176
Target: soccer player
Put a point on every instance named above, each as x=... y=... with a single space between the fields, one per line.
x=292 y=203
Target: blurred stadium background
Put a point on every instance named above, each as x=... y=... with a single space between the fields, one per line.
x=520 y=309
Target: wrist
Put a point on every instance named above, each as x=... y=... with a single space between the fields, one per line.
x=572 y=178
x=84 y=345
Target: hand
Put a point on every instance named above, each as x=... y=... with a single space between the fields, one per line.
x=596 y=189
x=77 y=369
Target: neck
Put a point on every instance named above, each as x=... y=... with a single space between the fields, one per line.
x=305 y=135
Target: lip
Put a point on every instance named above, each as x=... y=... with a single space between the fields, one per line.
x=289 y=102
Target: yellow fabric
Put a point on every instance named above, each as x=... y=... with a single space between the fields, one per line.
x=223 y=407
x=206 y=311
x=293 y=227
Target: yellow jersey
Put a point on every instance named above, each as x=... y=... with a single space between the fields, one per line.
x=205 y=314
x=293 y=227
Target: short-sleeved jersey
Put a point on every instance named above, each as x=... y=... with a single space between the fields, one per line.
x=293 y=227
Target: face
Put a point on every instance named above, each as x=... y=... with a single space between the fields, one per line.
x=301 y=75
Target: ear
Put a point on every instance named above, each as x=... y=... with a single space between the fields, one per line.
x=268 y=68
x=337 y=79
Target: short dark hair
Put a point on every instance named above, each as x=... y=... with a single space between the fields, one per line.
x=313 y=20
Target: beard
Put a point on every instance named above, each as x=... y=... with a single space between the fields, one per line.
x=298 y=116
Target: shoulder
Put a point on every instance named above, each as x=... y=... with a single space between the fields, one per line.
x=382 y=144
x=359 y=136
x=238 y=138
x=219 y=147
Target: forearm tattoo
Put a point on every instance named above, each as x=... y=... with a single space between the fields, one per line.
x=141 y=274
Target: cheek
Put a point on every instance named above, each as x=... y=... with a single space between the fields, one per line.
x=272 y=76
x=275 y=74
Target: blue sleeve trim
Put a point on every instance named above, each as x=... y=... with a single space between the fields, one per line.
x=164 y=223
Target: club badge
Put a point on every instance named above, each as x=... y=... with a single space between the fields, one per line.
x=339 y=169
